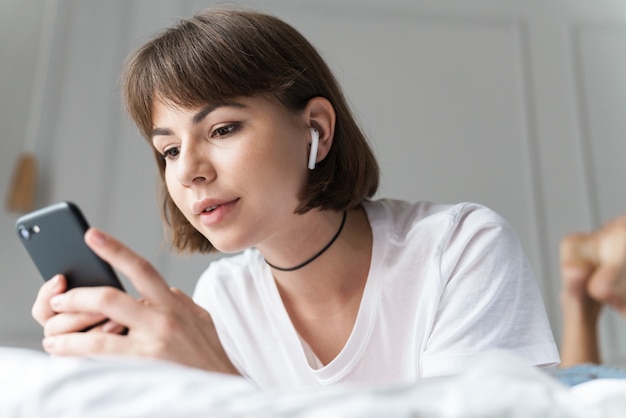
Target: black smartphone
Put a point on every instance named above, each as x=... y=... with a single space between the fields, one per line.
x=54 y=238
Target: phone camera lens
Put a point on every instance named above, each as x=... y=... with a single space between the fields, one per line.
x=24 y=232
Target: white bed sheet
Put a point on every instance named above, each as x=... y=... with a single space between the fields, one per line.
x=34 y=385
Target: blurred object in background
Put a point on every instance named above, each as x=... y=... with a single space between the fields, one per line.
x=23 y=187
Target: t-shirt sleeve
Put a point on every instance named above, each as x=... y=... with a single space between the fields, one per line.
x=489 y=298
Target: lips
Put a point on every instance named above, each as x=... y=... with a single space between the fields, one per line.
x=209 y=205
x=213 y=214
x=205 y=205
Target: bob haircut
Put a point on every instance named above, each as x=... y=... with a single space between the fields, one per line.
x=221 y=54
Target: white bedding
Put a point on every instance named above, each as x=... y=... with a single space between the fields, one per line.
x=35 y=385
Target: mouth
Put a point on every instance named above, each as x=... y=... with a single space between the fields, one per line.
x=206 y=206
x=212 y=214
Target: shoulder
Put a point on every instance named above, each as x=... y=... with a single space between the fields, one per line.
x=402 y=217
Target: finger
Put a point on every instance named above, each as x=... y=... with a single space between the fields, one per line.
x=145 y=279
x=87 y=344
x=113 y=327
x=579 y=249
x=65 y=323
x=106 y=301
x=575 y=278
x=611 y=245
x=41 y=309
x=607 y=286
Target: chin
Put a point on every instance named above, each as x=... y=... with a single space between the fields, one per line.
x=228 y=250
x=227 y=246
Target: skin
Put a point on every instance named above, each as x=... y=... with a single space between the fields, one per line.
x=593 y=271
x=166 y=324
x=244 y=152
x=249 y=158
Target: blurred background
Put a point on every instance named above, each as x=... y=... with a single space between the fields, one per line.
x=516 y=104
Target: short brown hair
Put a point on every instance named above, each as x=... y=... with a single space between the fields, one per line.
x=219 y=54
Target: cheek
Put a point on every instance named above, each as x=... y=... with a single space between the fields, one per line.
x=281 y=172
x=174 y=189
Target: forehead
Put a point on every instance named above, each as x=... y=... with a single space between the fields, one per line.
x=256 y=106
x=196 y=112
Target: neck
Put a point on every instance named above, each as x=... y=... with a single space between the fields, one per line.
x=317 y=254
x=335 y=275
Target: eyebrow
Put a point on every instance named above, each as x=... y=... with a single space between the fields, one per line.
x=198 y=117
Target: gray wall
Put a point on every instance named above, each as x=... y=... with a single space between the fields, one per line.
x=516 y=104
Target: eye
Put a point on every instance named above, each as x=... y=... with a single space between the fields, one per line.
x=224 y=131
x=170 y=153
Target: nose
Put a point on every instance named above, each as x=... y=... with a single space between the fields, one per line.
x=194 y=165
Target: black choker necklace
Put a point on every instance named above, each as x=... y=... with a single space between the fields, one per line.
x=299 y=266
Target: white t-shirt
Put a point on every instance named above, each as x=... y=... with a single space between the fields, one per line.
x=446 y=284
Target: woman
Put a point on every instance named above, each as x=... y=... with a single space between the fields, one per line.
x=258 y=152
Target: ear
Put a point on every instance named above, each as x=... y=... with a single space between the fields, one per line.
x=320 y=114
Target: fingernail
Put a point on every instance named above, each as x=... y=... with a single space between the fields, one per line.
x=55 y=302
x=109 y=326
x=97 y=237
x=56 y=282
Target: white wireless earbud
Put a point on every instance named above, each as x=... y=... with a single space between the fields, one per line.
x=315 y=141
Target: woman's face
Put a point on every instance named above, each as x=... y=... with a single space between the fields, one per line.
x=234 y=169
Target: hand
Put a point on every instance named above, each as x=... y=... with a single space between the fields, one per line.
x=166 y=324
x=594 y=265
x=66 y=322
x=608 y=283
x=578 y=263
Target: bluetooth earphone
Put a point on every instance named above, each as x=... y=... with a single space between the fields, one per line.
x=315 y=141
